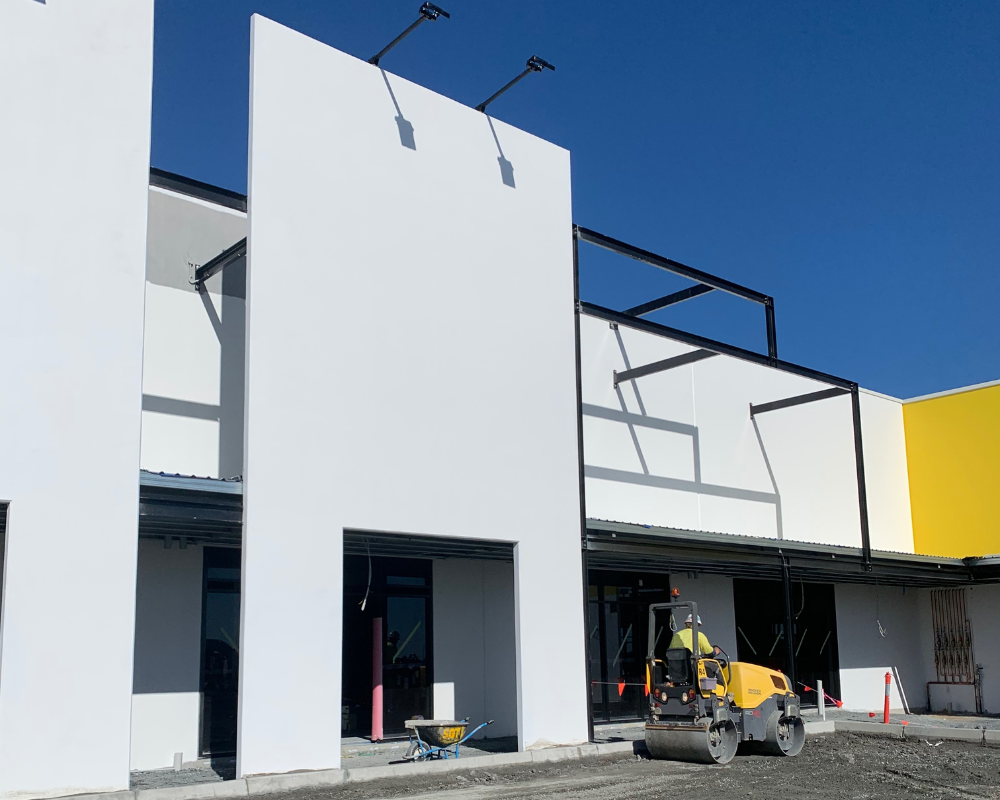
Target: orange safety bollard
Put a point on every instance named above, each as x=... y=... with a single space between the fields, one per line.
x=885 y=710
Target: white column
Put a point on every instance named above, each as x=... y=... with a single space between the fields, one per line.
x=76 y=81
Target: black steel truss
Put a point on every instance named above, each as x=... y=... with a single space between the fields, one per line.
x=708 y=346
x=214 y=266
x=707 y=282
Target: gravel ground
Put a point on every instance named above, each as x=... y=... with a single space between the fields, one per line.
x=830 y=768
x=220 y=769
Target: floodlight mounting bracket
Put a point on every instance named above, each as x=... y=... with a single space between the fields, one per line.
x=428 y=11
x=534 y=64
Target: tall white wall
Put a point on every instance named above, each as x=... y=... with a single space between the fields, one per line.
x=410 y=369
x=474 y=644
x=75 y=88
x=678 y=448
x=194 y=344
x=866 y=655
x=166 y=700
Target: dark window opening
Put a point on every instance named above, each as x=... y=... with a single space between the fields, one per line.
x=760 y=632
x=220 y=656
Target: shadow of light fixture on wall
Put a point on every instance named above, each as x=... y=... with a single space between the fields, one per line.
x=406 y=137
x=506 y=168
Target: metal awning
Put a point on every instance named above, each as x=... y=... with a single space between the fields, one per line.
x=192 y=509
x=625 y=546
x=403 y=545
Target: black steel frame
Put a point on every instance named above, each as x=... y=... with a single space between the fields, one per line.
x=707 y=282
x=215 y=265
x=712 y=347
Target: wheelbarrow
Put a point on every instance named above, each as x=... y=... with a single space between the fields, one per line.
x=437 y=738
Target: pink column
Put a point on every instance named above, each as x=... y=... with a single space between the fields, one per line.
x=377 y=679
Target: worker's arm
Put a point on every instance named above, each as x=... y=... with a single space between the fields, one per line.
x=704 y=646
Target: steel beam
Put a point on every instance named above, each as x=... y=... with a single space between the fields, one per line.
x=675 y=267
x=668 y=300
x=859 y=460
x=715 y=346
x=661 y=366
x=228 y=256
x=798 y=400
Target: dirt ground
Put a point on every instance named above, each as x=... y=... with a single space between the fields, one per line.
x=841 y=766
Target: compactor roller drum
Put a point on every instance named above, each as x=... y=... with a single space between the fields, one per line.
x=785 y=736
x=706 y=744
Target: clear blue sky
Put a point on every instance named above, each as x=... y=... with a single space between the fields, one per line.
x=840 y=156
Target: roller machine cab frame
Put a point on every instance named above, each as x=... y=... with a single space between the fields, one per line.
x=702 y=708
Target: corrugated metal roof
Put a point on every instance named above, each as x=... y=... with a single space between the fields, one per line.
x=194 y=483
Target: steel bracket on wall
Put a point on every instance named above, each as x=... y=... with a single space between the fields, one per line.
x=228 y=256
x=660 y=366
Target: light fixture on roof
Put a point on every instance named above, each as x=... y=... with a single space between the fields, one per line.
x=428 y=11
x=535 y=64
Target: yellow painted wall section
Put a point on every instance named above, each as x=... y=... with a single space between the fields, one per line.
x=953 y=459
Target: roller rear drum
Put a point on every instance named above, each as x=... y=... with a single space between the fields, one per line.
x=705 y=744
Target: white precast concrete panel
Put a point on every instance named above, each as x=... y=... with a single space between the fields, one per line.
x=866 y=655
x=886 y=473
x=75 y=89
x=410 y=368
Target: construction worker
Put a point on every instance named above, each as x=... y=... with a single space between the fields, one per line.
x=683 y=639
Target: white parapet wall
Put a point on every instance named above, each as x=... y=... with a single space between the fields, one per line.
x=410 y=368
x=76 y=80
x=678 y=448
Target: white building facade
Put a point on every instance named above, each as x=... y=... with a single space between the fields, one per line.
x=383 y=442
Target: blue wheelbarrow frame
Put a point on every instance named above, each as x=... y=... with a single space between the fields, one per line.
x=437 y=738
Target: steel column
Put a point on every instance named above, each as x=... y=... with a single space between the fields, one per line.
x=786 y=583
x=582 y=484
x=859 y=459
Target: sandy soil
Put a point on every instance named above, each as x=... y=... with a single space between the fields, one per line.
x=841 y=766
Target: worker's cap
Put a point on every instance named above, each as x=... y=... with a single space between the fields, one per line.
x=689 y=620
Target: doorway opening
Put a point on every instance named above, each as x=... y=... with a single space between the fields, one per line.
x=220 y=652
x=760 y=631
x=398 y=594
x=617 y=627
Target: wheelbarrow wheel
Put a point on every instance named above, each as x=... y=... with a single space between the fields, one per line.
x=413 y=751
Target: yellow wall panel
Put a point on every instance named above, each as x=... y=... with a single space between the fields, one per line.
x=953 y=459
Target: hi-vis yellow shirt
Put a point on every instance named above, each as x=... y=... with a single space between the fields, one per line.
x=683 y=639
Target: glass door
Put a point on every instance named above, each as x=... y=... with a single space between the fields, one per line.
x=405 y=686
x=220 y=651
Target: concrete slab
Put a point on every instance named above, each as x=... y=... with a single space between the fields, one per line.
x=952 y=734
x=871 y=728
x=821 y=726
x=268 y=784
x=197 y=791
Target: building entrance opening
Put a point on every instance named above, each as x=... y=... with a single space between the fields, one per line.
x=760 y=631
x=220 y=666
x=617 y=620
x=399 y=595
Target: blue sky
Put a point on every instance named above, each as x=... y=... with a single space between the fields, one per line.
x=840 y=156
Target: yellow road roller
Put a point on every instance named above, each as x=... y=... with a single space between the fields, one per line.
x=702 y=708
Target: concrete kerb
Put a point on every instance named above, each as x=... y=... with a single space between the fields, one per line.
x=271 y=784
